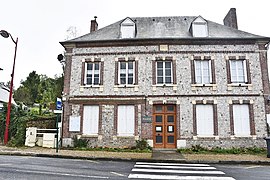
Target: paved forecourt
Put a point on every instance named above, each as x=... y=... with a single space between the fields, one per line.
x=172 y=171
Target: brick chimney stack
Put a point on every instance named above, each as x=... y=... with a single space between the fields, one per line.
x=94 y=25
x=230 y=19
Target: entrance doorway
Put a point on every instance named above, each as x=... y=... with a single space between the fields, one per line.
x=164 y=126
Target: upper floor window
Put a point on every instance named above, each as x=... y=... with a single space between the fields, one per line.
x=164 y=72
x=238 y=70
x=126 y=72
x=199 y=27
x=203 y=72
x=92 y=73
x=128 y=28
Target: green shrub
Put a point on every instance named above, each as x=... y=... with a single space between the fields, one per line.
x=80 y=143
x=142 y=145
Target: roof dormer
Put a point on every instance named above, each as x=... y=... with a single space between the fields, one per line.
x=128 y=28
x=199 y=27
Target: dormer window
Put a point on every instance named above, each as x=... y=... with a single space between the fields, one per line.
x=199 y=27
x=128 y=28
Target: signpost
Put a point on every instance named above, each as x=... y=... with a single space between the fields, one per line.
x=58 y=111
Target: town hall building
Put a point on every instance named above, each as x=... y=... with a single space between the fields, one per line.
x=173 y=81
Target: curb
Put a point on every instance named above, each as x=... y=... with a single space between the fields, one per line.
x=229 y=162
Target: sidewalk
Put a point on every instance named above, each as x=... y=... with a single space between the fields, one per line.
x=160 y=156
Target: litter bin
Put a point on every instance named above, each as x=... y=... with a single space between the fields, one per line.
x=268 y=146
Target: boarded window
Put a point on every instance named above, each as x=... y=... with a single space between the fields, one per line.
x=241 y=120
x=125 y=124
x=90 y=120
x=205 y=121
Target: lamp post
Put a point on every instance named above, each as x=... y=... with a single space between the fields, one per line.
x=6 y=34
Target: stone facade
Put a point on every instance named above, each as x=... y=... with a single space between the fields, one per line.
x=183 y=93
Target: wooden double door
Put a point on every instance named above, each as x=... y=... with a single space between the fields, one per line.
x=164 y=126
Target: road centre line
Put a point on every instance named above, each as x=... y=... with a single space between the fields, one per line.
x=149 y=176
x=176 y=171
x=174 y=164
x=118 y=174
x=172 y=167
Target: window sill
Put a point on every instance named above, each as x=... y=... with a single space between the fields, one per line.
x=195 y=86
x=230 y=86
x=244 y=136
x=135 y=87
x=205 y=137
x=174 y=86
x=82 y=87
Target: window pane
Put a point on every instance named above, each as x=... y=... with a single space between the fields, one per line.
x=168 y=72
x=130 y=80
x=158 y=128
x=89 y=66
x=170 y=108
x=96 y=66
x=160 y=73
x=130 y=65
x=158 y=108
x=171 y=139
x=168 y=65
x=160 y=80
x=168 y=80
x=170 y=118
x=122 y=65
x=160 y=65
x=170 y=129
x=158 y=118
x=158 y=139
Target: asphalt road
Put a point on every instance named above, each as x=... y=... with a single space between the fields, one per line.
x=26 y=167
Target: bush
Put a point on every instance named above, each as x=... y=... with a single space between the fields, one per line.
x=142 y=145
x=80 y=143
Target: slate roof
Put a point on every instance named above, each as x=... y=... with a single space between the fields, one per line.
x=176 y=27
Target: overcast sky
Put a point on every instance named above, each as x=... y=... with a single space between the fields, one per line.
x=41 y=24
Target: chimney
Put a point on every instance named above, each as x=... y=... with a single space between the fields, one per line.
x=230 y=19
x=94 y=25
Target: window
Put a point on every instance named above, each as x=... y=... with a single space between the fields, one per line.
x=90 y=120
x=199 y=27
x=241 y=119
x=238 y=71
x=205 y=120
x=126 y=120
x=92 y=73
x=128 y=28
x=126 y=72
x=164 y=72
x=203 y=72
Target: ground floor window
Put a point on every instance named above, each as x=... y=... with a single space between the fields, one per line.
x=90 y=120
x=205 y=120
x=241 y=119
x=126 y=120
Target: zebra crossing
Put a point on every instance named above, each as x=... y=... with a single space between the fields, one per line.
x=176 y=171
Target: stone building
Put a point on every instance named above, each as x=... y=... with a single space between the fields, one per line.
x=174 y=81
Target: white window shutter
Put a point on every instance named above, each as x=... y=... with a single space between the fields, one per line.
x=198 y=73
x=125 y=124
x=90 y=120
x=245 y=70
x=85 y=73
x=205 y=122
x=241 y=120
x=210 y=71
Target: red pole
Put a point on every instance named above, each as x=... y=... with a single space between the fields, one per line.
x=10 y=95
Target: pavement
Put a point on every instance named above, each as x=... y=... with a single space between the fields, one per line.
x=157 y=155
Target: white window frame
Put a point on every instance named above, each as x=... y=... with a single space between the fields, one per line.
x=199 y=29
x=205 y=120
x=126 y=72
x=93 y=72
x=127 y=29
x=163 y=72
x=202 y=71
x=90 y=120
x=126 y=120
x=237 y=80
x=241 y=120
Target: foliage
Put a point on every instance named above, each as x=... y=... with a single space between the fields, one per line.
x=197 y=149
x=80 y=143
x=39 y=89
x=142 y=144
x=17 y=126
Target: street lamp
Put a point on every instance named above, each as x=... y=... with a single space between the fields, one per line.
x=6 y=34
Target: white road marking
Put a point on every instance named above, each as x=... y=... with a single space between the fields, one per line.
x=176 y=171
x=118 y=174
x=5 y=164
x=149 y=176
x=62 y=174
x=174 y=164
x=172 y=167
x=251 y=167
